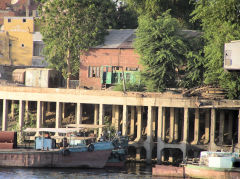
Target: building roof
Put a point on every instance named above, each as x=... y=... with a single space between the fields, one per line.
x=123 y=38
x=190 y=33
x=118 y=38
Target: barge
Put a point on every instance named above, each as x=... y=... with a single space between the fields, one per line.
x=212 y=165
x=45 y=154
x=59 y=158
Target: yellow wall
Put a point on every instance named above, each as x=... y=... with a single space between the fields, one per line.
x=4 y=48
x=21 y=40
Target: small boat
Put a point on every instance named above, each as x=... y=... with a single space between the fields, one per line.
x=118 y=155
x=120 y=143
x=212 y=165
x=46 y=154
x=222 y=165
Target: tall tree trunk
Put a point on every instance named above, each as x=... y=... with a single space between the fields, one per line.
x=68 y=63
x=68 y=69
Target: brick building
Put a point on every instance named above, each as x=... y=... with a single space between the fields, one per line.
x=115 y=57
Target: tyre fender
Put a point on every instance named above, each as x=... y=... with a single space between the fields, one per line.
x=90 y=148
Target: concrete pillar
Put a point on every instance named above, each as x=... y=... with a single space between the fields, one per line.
x=113 y=115
x=39 y=115
x=43 y=113
x=154 y=121
x=12 y=109
x=138 y=154
x=238 y=128
x=185 y=132
x=186 y=125
x=117 y=120
x=63 y=110
x=207 y=126
x=139 y=123
x=5 y=115
x=48 y=107
x=196 y=127
x=163 y=123
x=21 y=114
x=213 y=128
x=221 y=127
x=230 y=126
x=171 y=133
x=101 y=118
x=58 y=115
x=132 y=124
x=159 y=134
x=96 y=114
x=78 y=112
x=176 y=123
x=125 y=120
x=148 y=144
x=26 y=110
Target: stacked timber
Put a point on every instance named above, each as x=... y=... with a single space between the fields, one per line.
x=207 y=92
x=8 y=140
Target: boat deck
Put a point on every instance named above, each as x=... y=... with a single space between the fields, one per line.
x=21 y=150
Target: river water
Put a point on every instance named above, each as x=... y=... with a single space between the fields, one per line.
x=130 y=171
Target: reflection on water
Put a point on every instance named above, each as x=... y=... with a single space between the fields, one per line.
x=134 y=171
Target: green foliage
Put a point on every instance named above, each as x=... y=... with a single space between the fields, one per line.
x=30 y=122
x=162 y=50
x=125 y=18
x=180 y=9
x=220 y=21
x=131 y=86
x=70 y=27
x=108 y=131
x=191 y=74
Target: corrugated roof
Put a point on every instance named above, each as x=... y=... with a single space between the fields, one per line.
x=190 y=33
x=118 y=38
x=123 y=38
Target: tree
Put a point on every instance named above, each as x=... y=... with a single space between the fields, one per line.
x=162 y=50
x=220 y=22
x=191 y=73
x=69 y=28
x=125 y=17
x=180 y=9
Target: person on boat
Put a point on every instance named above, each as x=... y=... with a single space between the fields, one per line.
x=64 y=142
x=102 y=138
x=93 y=137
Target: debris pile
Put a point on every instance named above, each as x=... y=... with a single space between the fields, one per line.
x=208 y=92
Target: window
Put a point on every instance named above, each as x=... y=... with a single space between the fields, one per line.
x=116 y=68
x=24 y=20
x=38 y=49
x=9 y=20
x=93 y=72
x=128 y=76
x=131 y=69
